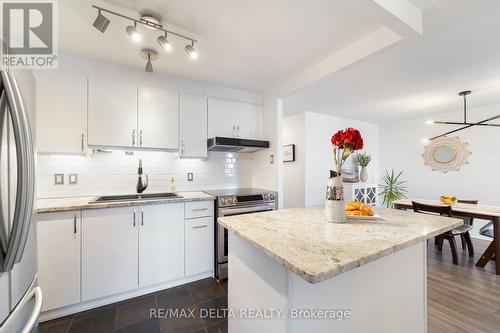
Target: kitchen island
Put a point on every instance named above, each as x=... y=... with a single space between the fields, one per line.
x=291 y=271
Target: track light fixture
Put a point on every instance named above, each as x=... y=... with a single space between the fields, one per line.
x=149 y=21
x=133 y=33
x=191 y=51
x=101 y=22
x=164 y=43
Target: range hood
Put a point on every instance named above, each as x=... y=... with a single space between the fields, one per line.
x=236 y=144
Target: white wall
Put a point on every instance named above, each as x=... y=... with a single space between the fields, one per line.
x=401 y=148
x=294 y=172
x=317 y=156
x=117 y=172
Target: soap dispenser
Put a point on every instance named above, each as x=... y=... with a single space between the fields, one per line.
x=172 y=185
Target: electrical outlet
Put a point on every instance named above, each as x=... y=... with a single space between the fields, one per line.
x=58 y=179
x=73 y=179
x=271 y=159
x=190 y=176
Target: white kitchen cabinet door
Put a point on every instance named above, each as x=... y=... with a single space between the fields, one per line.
x=109 y=251
x=158 y=118
x=199 y=238
x=234 y=119
x=61 y=121
x=112 y=116
x=161 y=243
x=193 y=126
x=59 y=236
x=222 y=118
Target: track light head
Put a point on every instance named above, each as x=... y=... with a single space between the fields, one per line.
x=101 y=22
x=133 y=33
x=164 y=43
x=149 y=65
x=191 y=51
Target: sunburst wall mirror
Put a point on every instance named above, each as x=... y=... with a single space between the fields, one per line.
x=446 y=154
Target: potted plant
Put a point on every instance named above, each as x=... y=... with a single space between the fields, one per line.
x=344 y=143
x=392 y=188
x=363 y=160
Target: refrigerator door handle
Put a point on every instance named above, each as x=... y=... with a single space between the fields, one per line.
x=4 y=227
x=25 y=168
x=35 y=314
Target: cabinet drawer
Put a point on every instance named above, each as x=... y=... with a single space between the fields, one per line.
x=199 y=243
x=197 y=209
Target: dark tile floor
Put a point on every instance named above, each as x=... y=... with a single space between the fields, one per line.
x=192 y=302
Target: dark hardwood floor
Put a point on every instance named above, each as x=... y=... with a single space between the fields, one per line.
x=461 y=299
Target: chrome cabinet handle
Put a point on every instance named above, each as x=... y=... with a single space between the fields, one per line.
x=200 y=226
x=142 y=217
x=199 y=209
x=133 y=137
x=74 y=227
x=182 y=147
x=140 y=137
x=83 y=136
x=134 y=218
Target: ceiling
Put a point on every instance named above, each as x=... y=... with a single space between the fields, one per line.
x=420 y=75
x=251 y=45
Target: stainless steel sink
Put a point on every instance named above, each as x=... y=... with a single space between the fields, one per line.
x=135 y=197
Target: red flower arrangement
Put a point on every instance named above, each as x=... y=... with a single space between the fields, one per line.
x=345 y=142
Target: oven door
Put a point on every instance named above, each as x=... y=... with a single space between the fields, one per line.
x=222 y=238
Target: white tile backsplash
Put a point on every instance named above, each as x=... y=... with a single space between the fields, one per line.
x=114 y=172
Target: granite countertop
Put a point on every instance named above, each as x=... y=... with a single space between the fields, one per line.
x=79 y=203
x=302 y=241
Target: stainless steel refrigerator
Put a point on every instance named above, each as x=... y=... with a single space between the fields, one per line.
x=20 y=297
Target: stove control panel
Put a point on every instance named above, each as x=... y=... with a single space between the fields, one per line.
x=240 y=200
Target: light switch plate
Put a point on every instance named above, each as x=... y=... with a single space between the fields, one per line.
x=190 y=176
x=58 y=179
x=73 y=179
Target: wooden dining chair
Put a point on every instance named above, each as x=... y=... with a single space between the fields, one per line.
x=449 y=235
x=467 y=220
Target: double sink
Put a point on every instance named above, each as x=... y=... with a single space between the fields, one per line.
x=135 y=197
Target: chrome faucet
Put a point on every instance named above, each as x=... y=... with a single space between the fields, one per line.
x=141 y=186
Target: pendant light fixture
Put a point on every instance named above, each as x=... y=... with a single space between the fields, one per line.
x=151 y=22
x=465 y=124
x=148 y=55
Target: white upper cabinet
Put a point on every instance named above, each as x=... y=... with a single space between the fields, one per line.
x=193 y=126
x=61 y=99
x=158 y=118
x=161 y=243
x=234 y=119
x=112 y=116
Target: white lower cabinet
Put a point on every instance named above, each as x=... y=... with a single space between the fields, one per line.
x=161 y=243
x=109 y=251
x=199 y=238
x=59 y=236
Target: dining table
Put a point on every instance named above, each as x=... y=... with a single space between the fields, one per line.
x=476 y=211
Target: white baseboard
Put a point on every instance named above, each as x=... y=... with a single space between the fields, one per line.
x=83 y=306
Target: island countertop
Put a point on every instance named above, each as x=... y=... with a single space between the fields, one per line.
x=302 y=241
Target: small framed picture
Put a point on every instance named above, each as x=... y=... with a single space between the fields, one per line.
x=289 y=153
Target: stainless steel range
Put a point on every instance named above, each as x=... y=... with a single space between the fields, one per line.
x=237 y=202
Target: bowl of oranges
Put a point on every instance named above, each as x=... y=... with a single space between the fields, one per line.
x=448 y=199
